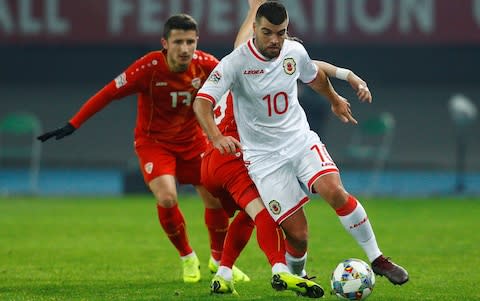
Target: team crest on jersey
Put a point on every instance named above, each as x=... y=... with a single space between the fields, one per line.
x=148 y=167
x=275 y=207
x=215 y=77
x=197 y=82
x=289 y=65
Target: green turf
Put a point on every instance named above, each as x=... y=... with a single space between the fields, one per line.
x=114 y=249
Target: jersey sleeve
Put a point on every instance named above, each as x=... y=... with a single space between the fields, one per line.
x=133 y=80
x=219 y=82
x=209 y=61
x=308 y=69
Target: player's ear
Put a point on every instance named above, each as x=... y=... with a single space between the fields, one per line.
x=164 y=43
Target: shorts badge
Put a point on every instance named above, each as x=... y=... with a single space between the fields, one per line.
x=289 y=65
x=275 y=207
x=148 y=167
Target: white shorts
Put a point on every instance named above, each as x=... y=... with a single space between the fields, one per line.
x=279 y=177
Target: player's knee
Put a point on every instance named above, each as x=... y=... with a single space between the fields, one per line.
x=297 y=237
x=335 y=194
x=166 y=200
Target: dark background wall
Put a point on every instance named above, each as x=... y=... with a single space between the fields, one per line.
x=414 y=54
x=413 y=82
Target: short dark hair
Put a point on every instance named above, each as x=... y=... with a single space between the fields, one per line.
x=179 y=21
x=275 y=12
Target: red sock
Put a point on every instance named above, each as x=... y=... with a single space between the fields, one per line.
x=349 y=206
x=217 y=225
x=173 y=224
x=272 y=245
x=237 y=238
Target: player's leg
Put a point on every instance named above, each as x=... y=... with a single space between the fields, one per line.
x=173 y=223
x=158 y=166
x=216 y=214
x=296 y=243
x=216 y=221
x=354 y=219
x=318 y=172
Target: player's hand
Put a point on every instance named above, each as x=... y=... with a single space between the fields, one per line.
x=341 y=108
x=226 y=144
x=59 y=133
x=360 y=86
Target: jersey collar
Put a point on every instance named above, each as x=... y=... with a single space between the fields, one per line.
x=255 y=52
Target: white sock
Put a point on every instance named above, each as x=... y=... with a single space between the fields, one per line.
x=296 y=264
x=280 y=268
x=225 y=272
x=189 y=255
x=357 y=224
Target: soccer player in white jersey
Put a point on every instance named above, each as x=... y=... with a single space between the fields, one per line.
x=279 y=149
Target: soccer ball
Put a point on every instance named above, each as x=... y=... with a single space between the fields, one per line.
x=352 y=279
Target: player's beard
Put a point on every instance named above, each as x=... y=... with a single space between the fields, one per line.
x=271 y=51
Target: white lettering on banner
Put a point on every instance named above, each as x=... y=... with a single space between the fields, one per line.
x=296 y=15
x=346 y=14
x=196 y=9
x=218 y=21
x=149 y=21
x=476 y=11
x=6 y=22
x=319 y=10
x=117 y=11
x=372 y=24
x=341 y=16
x=422 y=9
x=28 y=23
x=55 y=24
x=31 y=23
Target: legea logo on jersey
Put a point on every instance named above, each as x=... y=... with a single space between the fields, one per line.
x=148 y=167
x=253 y=72
x=289 y=65
x=196 y=82
x=215 y=77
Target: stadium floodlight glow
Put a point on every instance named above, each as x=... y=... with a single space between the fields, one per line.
x=462 y=110
x=463 y=113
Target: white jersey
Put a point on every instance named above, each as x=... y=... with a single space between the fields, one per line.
x=266 y=108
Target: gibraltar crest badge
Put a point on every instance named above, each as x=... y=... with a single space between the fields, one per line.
x=275 y=207
x=289 y=65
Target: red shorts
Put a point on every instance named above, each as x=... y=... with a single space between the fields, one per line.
x=180 y=160
x=226 y=177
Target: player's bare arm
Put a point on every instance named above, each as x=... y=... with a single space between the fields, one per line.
x=204 y=111
x=357 y=83
x=246 y=29
x=339 y=105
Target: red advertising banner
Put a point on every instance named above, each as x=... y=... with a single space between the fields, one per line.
x=322 y=21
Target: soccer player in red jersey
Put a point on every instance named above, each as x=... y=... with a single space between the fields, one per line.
x=168 y=140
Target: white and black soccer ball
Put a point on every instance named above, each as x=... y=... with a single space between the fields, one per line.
x=352 y=279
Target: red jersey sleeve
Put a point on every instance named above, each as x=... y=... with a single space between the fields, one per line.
x=133 y=80
x=209 y=62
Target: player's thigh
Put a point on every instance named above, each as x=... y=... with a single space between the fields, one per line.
x=164 y=189
x=281 y=192
x=296 y=225
x=155 y=160
x=313 y=162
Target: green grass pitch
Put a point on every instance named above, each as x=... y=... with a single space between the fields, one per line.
x=114 y=249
